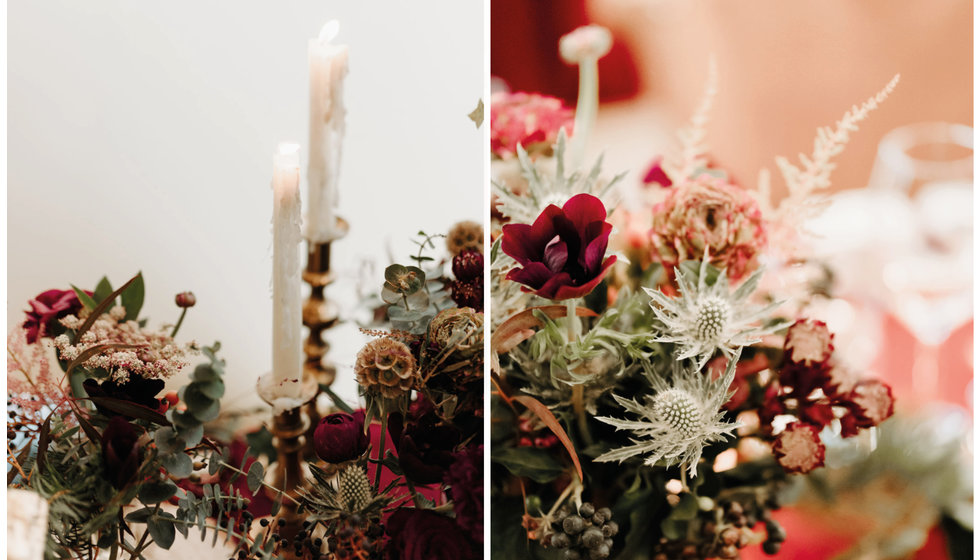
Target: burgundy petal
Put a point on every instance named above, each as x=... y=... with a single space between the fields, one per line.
x=569 y=291
x=584 y=209
x=555 y=254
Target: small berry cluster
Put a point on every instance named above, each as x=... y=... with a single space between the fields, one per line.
x=725 y=530
x=531 y=435
x=586 y=534
x=467 y=289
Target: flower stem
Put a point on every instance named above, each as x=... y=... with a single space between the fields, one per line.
x=585 y=108
x=578 y=405
x=381 y=452
x=180 y=321
x=415 y=494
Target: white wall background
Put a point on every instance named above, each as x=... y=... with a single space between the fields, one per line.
x=140 y=137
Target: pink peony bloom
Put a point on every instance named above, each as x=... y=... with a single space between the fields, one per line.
x=527 y=119
x=561 y=254
x=709 y=214
x=799 y=449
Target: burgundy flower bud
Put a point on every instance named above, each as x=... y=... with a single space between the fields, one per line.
x=185 y=299
x=425 y=444
x=340 y=437
x=468 y=265
x=422 y=534
x=46 y=308
x=561 y=254
x=799 y=449
x=808 y=342
x=467 y=294
x=136 y=390
x=870 y=403
x=121 y=452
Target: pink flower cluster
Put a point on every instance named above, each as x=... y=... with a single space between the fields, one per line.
x=710 y=214
x=528 y=119
x=817 y=391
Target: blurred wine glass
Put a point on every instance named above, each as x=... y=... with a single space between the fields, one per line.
x=928 y=286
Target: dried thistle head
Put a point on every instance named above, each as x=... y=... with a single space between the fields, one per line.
x=386 y=366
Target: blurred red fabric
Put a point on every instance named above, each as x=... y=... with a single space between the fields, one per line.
x=524 y=50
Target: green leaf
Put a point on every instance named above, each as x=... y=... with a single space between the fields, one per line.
x=102 y=290
x=530 y=462
x=162 y=530
x=86 y=299
x=140 y=515
x=178 y=465
x=167 y=441
x=132 y=297
x=131 y=409
x=255 y=474
x=211 y=389
x=260 y=442
x=337 y=401
x=686 y=509
x=672 y=528
x=693 y=270
x=156 y=492
x=100 y=309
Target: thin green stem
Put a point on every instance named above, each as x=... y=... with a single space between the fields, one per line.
x=264 y=483
x=415 y=494
x=381 y=452
x=180 y=321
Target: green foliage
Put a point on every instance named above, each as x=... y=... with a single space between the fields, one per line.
x=201 y=396
x=530 y=462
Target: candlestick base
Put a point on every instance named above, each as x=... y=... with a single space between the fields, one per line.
x=289 y=428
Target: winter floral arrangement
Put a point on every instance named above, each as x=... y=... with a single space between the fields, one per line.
x=410 y=486
x=117 y=468
x=93 y=443
x=658 y=388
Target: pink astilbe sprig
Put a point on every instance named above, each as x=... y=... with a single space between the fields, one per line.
x=127 y=348
x=31 y=386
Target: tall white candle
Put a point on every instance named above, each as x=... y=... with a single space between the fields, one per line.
x=287 y=311
x=328 y=67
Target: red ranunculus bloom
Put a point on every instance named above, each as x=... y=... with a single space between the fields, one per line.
x=340 y=437
x=421 y=534
x=561 y=254
x=46 y=309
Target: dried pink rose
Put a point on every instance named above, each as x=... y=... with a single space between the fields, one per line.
x=46 y=308
x=709 y=214
x=809 y=342
x=798 y=448
x=528 y=119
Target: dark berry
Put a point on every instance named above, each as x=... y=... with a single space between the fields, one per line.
x=586 y=510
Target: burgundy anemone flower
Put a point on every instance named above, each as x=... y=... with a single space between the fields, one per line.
x=561 y=254
x=46 y=309
x=422 y=534
x=136 y=390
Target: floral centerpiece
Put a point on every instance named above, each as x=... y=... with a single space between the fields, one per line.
x=657 y=394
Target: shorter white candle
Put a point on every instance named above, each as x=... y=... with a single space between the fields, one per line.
x=327 y=68
x=287 y=305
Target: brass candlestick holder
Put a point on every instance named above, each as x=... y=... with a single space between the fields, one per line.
x=289 y=428
x=319 y=314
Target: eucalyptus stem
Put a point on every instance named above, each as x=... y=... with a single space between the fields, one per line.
x=262 y=482
x=381 y=451
x=180 y=321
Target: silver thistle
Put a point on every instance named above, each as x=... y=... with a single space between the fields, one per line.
x=676 y=422
x=704 y=318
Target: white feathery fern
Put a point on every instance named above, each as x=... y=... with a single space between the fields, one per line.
x=814 y=172
x=694 y=150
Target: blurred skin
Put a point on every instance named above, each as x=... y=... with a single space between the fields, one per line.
x=785 y=68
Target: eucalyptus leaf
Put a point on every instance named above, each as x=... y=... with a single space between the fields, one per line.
x=255 y=475
x=162 y=531
x=530 y=462
x=178 y=465
x=156 y=492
